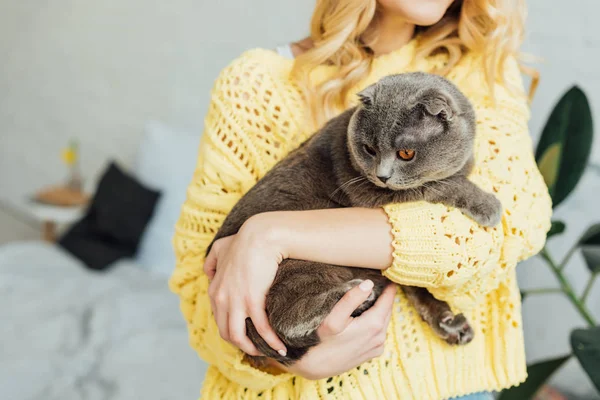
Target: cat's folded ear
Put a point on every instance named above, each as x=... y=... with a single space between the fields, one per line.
x=439 y=103
x=367 y=96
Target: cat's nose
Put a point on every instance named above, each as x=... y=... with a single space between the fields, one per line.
x=383 y=179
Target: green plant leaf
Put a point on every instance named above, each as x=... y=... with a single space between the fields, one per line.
x=549 y=164
x=591 y=254
x=590 y=248
x=557 y=228
x=564 y=148
x=591 y=236
x=537 y=373
x=586 y=346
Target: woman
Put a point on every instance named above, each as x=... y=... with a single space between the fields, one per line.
x=264 y=105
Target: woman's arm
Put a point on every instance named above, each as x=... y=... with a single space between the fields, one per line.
x=431 y=245
x=358 y=237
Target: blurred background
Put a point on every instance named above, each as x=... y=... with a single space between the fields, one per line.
x=129 y=81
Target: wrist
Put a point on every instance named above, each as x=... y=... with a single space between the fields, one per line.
x=267 y=231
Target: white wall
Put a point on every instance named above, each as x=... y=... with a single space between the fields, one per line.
x=97 y=71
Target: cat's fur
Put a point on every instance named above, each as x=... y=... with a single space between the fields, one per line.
x=339 y=167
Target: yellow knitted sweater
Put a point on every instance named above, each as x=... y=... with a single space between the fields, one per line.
x=255 y=118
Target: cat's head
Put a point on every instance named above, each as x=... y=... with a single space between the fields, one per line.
x=410 y=129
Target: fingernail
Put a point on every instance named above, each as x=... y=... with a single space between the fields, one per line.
x=282 y=353
x=366 y=286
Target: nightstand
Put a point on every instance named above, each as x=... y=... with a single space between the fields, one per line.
x=53 y=216
x=57 y=206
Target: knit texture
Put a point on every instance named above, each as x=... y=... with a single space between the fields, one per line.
x=256 y=117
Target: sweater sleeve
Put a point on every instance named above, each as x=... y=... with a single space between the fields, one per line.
x=227 y=167
x=440 y=248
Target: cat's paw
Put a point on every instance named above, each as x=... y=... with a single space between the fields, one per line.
x=454 y=329
x=488 y=211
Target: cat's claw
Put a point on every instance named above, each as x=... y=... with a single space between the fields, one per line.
x=488 y=212
x=455 y=329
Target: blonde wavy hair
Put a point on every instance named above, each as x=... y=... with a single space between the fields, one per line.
x=492 y=27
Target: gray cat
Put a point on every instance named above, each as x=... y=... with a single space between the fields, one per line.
x=410 y=139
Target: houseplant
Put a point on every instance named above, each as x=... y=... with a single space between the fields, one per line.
x=562 y=156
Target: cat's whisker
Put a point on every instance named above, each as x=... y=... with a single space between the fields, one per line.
x=431 y=187
x=444 y=183
x=359 y=184
x=447 y=183
x=346 y=185
x=415 y=191
x=351 y=182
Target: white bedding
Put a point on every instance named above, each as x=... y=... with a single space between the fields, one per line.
x=69 y=333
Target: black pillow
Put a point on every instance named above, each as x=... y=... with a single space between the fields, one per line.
x=113 y=225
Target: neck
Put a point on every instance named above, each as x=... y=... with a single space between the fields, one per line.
x=392 y=32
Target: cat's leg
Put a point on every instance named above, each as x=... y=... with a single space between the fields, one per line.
x=463 y=194
x=454 y=329
x=301 y=297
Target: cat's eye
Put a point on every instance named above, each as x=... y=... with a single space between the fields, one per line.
x=371 y=151
x=406 y=154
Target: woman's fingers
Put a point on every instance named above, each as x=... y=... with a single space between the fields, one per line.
x=264 y=329
x=222 y=323
x=211 y=297
x=341 y=314
x=220 y=305
x=210 y=264
x=376 y=320
x=373 y=324
x=383 y=306
x=237 y=334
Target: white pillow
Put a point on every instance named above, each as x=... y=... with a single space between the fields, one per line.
x=165 y=162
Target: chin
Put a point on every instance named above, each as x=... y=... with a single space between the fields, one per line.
x=422 y=12
x=412 y=185
x=380 y=184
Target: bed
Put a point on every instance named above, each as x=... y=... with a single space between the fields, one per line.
x=68 y=332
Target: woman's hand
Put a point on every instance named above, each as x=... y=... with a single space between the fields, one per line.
x=242 y=268
x=347 y=342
